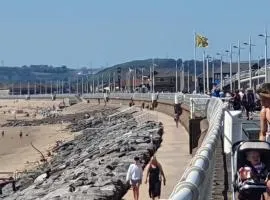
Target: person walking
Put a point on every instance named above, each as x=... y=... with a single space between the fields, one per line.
x=236 y=101
x=134 y=177
x=248 y=102
x=155 y=174
x=177 y=113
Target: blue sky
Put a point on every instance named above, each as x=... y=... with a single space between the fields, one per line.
x=77 y=33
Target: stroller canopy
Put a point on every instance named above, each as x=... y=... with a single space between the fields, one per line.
x=241 y=148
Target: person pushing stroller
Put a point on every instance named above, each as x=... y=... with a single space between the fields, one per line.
x=254 y=172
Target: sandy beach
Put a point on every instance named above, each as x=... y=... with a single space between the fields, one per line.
x=16 y=153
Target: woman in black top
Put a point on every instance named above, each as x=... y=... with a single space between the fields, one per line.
x=154 y=173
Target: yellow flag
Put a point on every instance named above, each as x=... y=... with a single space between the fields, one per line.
x=201 y=41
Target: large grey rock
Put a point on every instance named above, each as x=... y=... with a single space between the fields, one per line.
x=94 y=165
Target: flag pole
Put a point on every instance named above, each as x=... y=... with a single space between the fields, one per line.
x=188 y=78
x=195 y=67
x=207 y=75
x=176 y=89
x=213 y=72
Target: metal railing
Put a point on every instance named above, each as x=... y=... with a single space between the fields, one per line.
x=244 y=75
x=197 y=180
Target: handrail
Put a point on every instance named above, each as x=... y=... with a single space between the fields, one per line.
x=244 y=75
x=196 y=181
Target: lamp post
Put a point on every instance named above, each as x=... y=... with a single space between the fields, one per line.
x=265 y=53
x=87 y=83
x=12 y=87
x=51 y=87
x=182 y=78
x=142 y=75
x=45 y=87
x=230 y=52
x=28 y=88
x=249 y=60
x=221 y=71
x=20 y=88
x=93 y=83
x=77 y=85
x=35 y=88
x=207 y=73
x=113 y=81
x=203 y=72
x=69 y=87
x=154 y=65
x=109 y=85
x=62 y=87
x=153 y=76
x=102 y=86
x=258 y=79
x=238 y=64
x=40 y=92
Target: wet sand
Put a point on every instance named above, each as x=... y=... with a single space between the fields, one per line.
x=16 y=153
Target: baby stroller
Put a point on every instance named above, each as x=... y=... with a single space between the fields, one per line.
x=238 y=160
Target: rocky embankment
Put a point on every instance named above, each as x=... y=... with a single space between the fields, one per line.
x=94 y=165
x=76 y=119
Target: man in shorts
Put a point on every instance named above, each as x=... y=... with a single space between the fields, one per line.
x=134 y=176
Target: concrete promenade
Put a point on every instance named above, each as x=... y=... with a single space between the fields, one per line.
x=173 y=156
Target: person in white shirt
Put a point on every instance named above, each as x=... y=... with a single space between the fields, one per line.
x=134 y=177
x=241 y=93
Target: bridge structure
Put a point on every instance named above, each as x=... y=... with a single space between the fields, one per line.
x=257 y=78
x=207 y=176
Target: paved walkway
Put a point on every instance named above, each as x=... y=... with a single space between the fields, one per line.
x=173 y=155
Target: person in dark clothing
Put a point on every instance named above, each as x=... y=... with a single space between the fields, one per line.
x=155 y=174
x=248 y=102
x=236 y=101
x=177 y=113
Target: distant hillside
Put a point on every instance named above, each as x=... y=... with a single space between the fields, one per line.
x=163 y=67
x=34 y=73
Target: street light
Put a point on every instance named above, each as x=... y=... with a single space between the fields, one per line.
x=221 y=70
x=213 y=72
x=238 y=67
x=249 y=60
x=230 y=51
x=203 y=72
x=207 y=73
x=153 y=66
x=265 y=53
x=258 y=79
x=182 y=78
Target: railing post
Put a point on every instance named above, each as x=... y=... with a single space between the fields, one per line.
x=191 y=108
